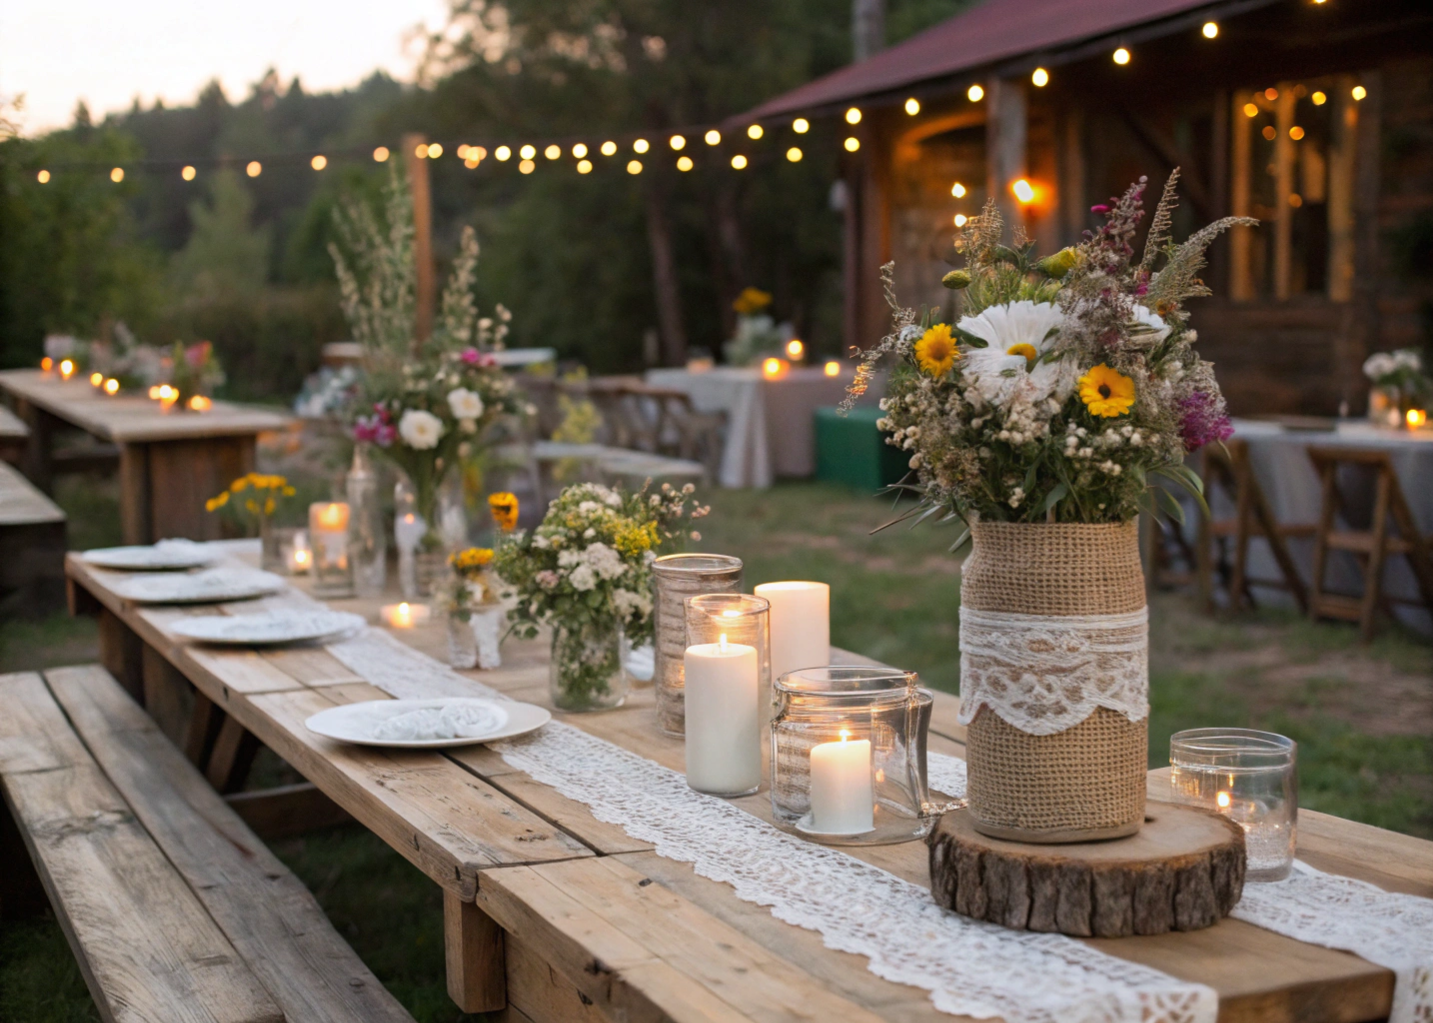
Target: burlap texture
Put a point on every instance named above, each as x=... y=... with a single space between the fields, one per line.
x=1086 y=779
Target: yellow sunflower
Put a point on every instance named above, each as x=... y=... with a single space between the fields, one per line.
x=504 y=507
x=935 y=351
x=1106 y=392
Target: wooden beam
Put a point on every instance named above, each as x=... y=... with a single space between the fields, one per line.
x=1241 y=271
x=1283 y=190
x=1005 y=138
x=287 y=810
x=473 y=953
x=418 y=187
x=1073 y=174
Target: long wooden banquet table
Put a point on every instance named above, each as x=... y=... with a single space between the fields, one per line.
x=551 y=914
x=169 y=463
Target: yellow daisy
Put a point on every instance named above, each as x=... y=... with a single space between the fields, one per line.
x=935 y=351
x=1106 y=392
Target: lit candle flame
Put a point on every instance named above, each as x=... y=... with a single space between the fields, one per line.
x=96 y=378
x=1415 y=418
x=722 y=642
x=832 y=368
x=795 y=348
x=67 y=369
x=199 y=403
x=845 y=735
x=1223 y=800
x=47 y=364
x=111 y=386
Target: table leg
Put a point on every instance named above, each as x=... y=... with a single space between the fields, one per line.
x=122 y=653
x=234 y=751
x=473 y=949
x=38 y=461
x=136 y=519
x=181 y=475
x=166 y=694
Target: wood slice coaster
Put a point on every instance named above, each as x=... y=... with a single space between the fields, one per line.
x=1183 y=871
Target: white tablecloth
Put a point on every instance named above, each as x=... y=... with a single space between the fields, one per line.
x=770 y=428
x=1280 y=461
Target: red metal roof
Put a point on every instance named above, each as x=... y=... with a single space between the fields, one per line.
x=995 y=31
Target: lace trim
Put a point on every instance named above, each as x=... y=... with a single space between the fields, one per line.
x=1391 y=929
x=969 y=967
x=1047 y=673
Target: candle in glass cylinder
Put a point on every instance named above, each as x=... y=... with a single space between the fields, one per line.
x=404 y=615
x=723 y=733
x=328 y=543
x=800 y=625
x=843 y=798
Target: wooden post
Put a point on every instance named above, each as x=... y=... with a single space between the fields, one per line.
x=1219 y=179
x=1283 y=190
x=422 y=237
x=1073 y=200
x=473 y=951
x=1241 y=277
x=1005 y=131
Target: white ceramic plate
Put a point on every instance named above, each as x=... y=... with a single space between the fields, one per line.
x=372 y=723
x=211 y=586
x=165 y=556
x=267 y=628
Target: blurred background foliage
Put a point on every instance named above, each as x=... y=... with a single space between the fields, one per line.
x=243 y=262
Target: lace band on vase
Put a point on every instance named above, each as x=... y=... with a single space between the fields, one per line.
x=1044 y=674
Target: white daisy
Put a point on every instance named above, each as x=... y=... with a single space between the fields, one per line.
x=1017 y=334
x=420 y=430
x=465 y=404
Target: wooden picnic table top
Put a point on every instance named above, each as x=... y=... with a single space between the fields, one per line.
x=575 y=897
x=132 y=418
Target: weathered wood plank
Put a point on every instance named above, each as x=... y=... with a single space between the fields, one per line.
x=473 y=955
x=273 y=921
x=149 y=951
x=287 y=810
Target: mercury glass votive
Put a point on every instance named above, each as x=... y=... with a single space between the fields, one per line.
x=1249 y=777
x=330 y=564
x=678 y=577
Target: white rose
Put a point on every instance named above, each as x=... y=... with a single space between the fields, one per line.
x=465 y=404
x=583 y=578
x=420 y=430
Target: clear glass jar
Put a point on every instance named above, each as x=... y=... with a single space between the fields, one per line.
x=462 y=641
x=679 y=576
x=848 y=755
x=367 y=539
x=1250 y=777
x=726 y=691
x=588 y=670
x=331 y=567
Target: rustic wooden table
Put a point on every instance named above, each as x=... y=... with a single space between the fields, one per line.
x=169 y=464
x=551 y=914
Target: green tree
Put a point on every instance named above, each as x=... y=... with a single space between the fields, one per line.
x=226 y=254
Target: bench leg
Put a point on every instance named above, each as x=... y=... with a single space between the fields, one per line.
x=473 y=949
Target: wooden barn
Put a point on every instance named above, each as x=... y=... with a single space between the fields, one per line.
x=1315 y=116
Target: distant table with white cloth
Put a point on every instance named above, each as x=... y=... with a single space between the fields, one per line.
x=770 y=420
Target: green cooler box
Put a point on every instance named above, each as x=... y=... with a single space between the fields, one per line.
x=852 y=452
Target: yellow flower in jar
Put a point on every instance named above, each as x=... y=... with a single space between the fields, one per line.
x=1106 y=392
x=217 y=501
x=935 y=351
x=504 y=507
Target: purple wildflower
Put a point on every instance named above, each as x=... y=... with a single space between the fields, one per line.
x=1203 y=420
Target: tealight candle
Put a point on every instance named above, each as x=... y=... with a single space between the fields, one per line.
x=800 y=625
x=299 y=556
x=328 y=543
x=723 y=712
x=67 y=369
x=404 y=615
x=843 y=799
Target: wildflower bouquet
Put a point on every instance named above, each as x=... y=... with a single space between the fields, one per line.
x=423 y=406
x=587 y=572
x=757 y=334
x=1070 y=383
x=1042 y=418
x=471 y=585
x=194 y=372
x=1399 y=384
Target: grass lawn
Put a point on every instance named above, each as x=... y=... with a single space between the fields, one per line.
x=1359 y=714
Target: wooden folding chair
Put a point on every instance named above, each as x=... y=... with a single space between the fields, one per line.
x=1371 y=546
x=1227 y=468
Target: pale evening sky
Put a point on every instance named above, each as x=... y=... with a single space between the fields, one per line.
x=108 y=52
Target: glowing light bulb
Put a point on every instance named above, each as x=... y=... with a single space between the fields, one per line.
x=111 y=386
x=1222 y=799
x=852 y=144
x=1359 y=92
x=117 y=175
x=609 y=148
x=96 y=379
x=188 y=173
x=527 y=152
x=1121 y=56
x=712 y=137
x=380 y=154
x=832 y=368
x=503 y=153
x=853 y=116
x=579 y=150
x=1024 y=191
x=755 y=131
x=43 y=177
x=584 y=167
x=319 y=162
x=421 y=151
x=677 y=141
x=1040 y=78
x=738 y=162
x=1251 y=110
x=1296 y=133
x=1415 y=418
x=794 y=154
x=634 y=167
x=685 y=163
x=1210 y=29
x=795 y=349
x=527 y=167
x=435 y=150
x=254 y=169
x=975 y=94
x=961 y=220
x=641 y=146
x=552 y=152
x=958 y=190
x=1319 y=99
x=1271 y=94
x=801 y=126
x=913 y=106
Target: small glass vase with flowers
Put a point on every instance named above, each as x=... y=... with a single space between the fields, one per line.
x=1058 y=406
x=586 y=572
x=252 y=501
x=470 y=601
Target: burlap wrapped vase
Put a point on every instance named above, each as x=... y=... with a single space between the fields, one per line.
x=1054 y=680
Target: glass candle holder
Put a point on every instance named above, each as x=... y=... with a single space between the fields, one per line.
x=679 y=576
x=726 y=683
x=331 y=566
x=1249 y=777
x=848 y=755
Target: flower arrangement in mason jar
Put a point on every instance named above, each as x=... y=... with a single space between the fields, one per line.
x=586 y=571
x=469 y=590
x=255 y=498
x=1044 y=418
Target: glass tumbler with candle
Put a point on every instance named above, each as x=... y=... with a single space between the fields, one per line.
x=1249 y=777
x=726 y=690
x=679 y=576
x=848 y=755
x=331 y=565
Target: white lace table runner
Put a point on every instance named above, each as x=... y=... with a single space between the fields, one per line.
x=969 y=967
x=1047 y=673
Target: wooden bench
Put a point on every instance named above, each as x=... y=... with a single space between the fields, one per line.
x=14 y=435
x=174 y=909
x=32 y=548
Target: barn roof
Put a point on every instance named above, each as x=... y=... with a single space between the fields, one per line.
x=996 y=32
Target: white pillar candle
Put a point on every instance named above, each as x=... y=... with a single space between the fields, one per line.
x=843 y=799
x=800 y=625
x=723 y=718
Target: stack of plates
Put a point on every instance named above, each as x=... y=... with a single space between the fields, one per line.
x=268 y=628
